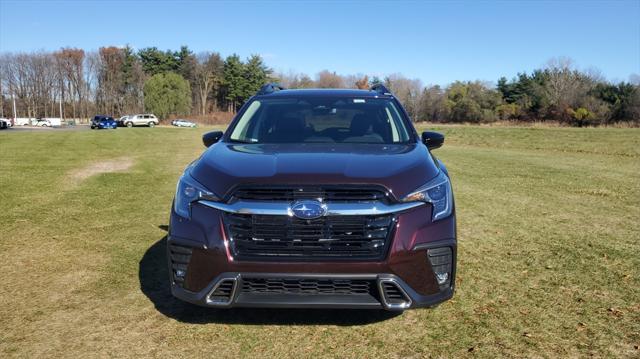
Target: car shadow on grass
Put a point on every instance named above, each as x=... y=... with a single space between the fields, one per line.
x=154 y=283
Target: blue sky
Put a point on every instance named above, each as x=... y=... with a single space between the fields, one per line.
x=437 y=42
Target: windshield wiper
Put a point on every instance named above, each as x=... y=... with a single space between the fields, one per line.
x=242 y=141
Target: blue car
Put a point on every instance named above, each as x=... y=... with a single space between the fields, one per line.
x=102 y=121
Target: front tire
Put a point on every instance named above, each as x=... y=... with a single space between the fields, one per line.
x=129 y=124
x=152 y=124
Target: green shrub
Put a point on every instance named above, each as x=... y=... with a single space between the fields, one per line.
x=167 y=94
x=581 y=116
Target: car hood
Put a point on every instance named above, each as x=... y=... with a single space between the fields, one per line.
x=399 y=168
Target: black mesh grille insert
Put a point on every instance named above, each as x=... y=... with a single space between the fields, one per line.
x=311 y=286
x=180 y=257
x=326 y=193
x=354 y=237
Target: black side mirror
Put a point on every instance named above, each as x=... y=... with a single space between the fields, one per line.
x=212 y=137
x=433 y=140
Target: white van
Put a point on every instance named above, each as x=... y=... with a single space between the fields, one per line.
x=23 y=121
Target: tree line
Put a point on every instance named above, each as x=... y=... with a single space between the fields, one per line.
x=121 y=80
x=558 y=92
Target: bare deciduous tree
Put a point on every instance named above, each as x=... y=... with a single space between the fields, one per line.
x=208 y=77
x=110 y=79
x=70 y=65
x=92 y=66
x=433 y=106
x=565 y=85
x=363 y=83
x=326 y=79
x=408 y=91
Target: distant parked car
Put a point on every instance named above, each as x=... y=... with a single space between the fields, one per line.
x=142 y=120
x=3 y=124
x=23 y=121
x=42 y=122
x=102 y=122
x=54 y=121
x=7 y=121
x=183 y=123
x=123 y=120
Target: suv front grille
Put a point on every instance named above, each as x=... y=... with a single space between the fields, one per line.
x=326 y=193
x=331 y=237
x=309 y=286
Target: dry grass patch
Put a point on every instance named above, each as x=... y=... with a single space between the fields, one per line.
x=121 y=164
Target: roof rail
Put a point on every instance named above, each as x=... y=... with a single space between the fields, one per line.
x=270 y=88
x=381 y=89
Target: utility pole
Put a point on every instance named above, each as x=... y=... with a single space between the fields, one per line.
x=61 y=96
x=13 y=96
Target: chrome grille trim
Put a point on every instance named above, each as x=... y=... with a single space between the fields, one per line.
x=327 y=193
x=393 y=296
x=221 y=293
x=333 y=209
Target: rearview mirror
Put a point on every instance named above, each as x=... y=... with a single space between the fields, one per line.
x=212 y=137
x=433 y=140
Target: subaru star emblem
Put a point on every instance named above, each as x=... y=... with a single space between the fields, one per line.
x=308 y=209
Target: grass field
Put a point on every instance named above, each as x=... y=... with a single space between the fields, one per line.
x=549 y=263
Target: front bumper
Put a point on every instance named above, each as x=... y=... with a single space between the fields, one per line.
x=406 y=270
x=378 y=299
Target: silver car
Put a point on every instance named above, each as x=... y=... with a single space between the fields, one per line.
x=183 y=123
x=43 y=122
x=141 y=120
x=123 y=120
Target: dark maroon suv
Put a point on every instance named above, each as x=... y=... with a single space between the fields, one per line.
x=315 y=198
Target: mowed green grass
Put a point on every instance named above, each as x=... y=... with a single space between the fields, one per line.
x=548 y=261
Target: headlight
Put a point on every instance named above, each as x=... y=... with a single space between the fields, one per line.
x=438 y=193
x=187 y=191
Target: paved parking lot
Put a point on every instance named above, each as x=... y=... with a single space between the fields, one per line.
x=39 y=128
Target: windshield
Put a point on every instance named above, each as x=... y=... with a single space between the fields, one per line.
x=321 y=120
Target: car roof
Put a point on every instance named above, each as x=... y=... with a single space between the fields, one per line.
x=325 y=93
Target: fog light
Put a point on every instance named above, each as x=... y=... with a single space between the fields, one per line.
x=441 y=260
x=442 y=278
x=180 y=257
